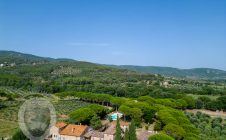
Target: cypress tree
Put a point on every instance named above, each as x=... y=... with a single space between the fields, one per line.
x=118 y=130
x=126 y=134
x=132 y=131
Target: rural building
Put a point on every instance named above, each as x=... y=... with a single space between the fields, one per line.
x=54 y=131
x=62 y=131
x=109 y=134
x=94 y=135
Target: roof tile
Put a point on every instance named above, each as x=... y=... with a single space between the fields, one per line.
x=74 y=130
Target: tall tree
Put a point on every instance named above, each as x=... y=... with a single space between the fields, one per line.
x=126 y=134
x=118 y=130
x=132 y=131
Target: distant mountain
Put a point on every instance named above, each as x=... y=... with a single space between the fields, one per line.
x=19 y=58
x=11 y=57
x=196 y=73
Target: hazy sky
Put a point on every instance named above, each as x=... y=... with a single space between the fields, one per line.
x=176 y=33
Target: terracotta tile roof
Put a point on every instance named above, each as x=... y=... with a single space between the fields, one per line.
x=60 y=124
x=74 y=130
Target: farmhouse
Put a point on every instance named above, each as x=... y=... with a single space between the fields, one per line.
x=62 y=131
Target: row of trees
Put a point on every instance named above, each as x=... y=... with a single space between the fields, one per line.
x=103 y=99
x=182 y=102
x=106 y=99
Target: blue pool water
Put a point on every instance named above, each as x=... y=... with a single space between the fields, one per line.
x=114 y=116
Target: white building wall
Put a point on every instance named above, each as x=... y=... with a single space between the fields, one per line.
x=108 y=137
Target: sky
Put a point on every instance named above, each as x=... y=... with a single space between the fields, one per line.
x=173 y=33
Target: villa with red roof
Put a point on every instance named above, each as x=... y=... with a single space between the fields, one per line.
x=62 y=131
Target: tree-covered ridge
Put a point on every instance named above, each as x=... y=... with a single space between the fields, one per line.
x=195 y=73
x=47 y=75
x=10 y=57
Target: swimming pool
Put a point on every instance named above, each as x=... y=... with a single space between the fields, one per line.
x=114 y=116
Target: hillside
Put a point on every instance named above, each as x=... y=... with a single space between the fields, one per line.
x=50 y=75
x=196 y=73
x=11 y=57
x=20 y=58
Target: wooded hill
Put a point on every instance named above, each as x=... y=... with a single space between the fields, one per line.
x=195 y=73
x=49 y=75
